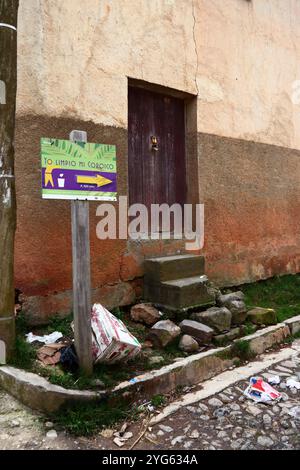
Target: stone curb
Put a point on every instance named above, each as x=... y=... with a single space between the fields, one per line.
x=293 y=324
x=37 y=393
x=266 y=338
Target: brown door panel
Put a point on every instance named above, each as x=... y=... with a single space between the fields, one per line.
x=156 y=177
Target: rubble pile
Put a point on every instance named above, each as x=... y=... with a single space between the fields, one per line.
x=197 y=330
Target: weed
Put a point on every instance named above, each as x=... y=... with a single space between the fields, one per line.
x=88 y=418
x=64 y=379
x=237 y=362
x=222 y=342
x=249 y=329
x=138 y=330
x=288 y=340
x=225 y=354
x=179 y=389
x=24 y=354
x=111 y=374
x=119 y=313
x=242 y=350
x=21 y=324
x=158 y=400
x=239 y=350
x=63 y=325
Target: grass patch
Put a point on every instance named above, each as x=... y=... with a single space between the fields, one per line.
x=222 y=343
x=63 y=325
x=21 y=325
x=119 y=312
x=65 y=379
x=85 y=419
x=158 y=400
x=282 y=293
x=24 y=355
x=242 y=350
x=137 y=329
x=237 y=362
x=110 y=375
x=225 y=355
x=249 y=329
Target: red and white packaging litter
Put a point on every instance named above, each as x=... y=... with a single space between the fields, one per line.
x=111 y=340
x=261 y=392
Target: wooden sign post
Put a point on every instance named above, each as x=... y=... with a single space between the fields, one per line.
x=79 y=171
x=81 y=277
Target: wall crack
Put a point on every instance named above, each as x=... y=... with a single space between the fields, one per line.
x=195 y=45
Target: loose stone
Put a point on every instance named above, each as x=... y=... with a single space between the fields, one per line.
x=265 y=441
x=215 y=402
x=51 y=434
x=164 y=428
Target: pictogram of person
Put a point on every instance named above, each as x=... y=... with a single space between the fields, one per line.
x=48 y=173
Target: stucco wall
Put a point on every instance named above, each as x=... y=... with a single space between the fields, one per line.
x=240 y=57
x=85 y=50
x=248 y=61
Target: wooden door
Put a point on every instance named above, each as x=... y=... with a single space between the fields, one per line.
x=156 y=176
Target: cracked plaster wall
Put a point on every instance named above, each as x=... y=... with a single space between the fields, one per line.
x=241 y=57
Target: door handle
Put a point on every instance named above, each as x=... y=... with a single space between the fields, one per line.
x=154 y=143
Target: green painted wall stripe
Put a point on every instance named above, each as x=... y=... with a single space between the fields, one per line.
x=81 y=193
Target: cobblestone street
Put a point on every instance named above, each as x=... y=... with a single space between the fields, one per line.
x=231 y=421
x=227 y=420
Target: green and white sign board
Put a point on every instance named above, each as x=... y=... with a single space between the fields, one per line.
x=78 y=170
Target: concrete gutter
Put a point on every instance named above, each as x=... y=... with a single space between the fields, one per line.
x=37 y=393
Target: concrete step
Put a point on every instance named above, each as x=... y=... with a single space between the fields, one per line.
x=168 y=268
x=180 y=294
